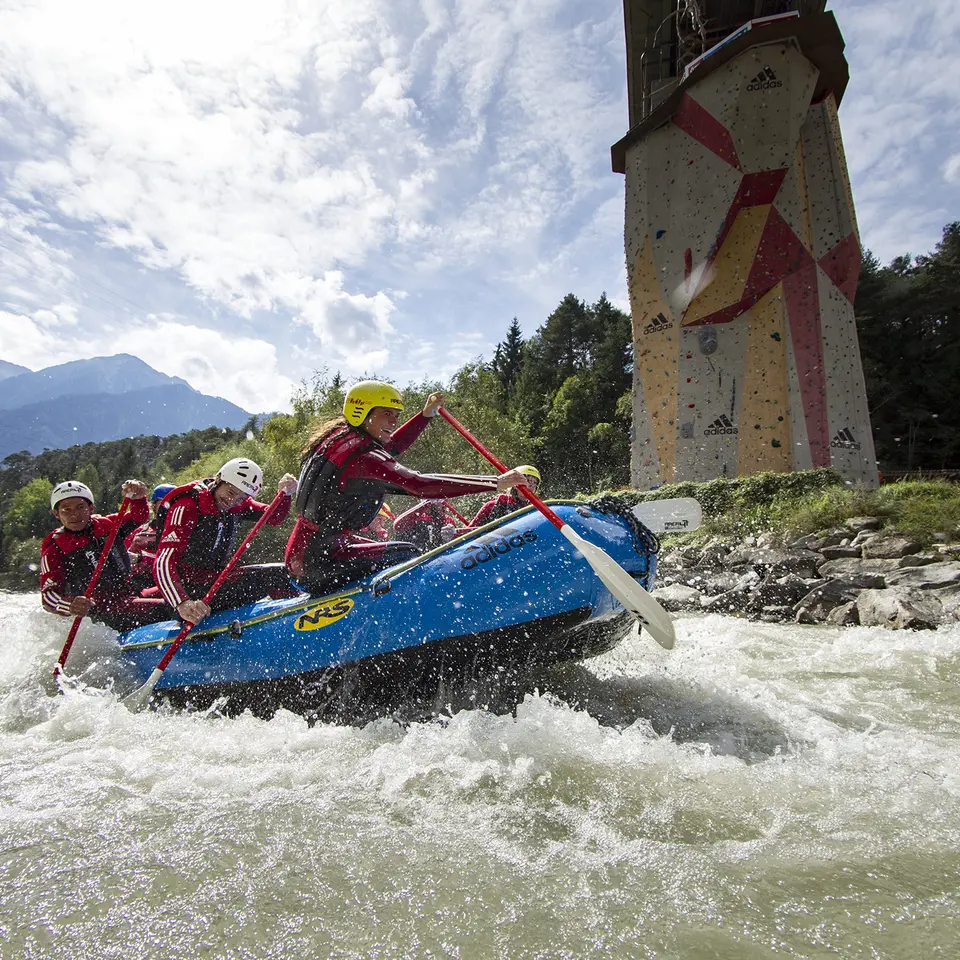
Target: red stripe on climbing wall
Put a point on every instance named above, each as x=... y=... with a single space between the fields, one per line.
x=755 y=189
x=779 y=254
x=803 y=313
x=696 y=122
x=842 y=266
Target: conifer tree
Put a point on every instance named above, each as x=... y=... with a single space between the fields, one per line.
x=508 y=358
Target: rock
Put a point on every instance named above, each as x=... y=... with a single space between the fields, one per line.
x=845 y=615
x=689 y=557
x=856 y=524
x=818 y=578
x=740 y=558
x=838 y=552
x=734 y=599
x=927 y=577
x=774 y=563
x=918 y=559
x=889 y=547
x=729 y=602
x=713 y=584
x=677 y=597
x=864 y=573
x=785 y=591
x=712 y=556
x=776 y=614
x=949 y=598
x=814 y=607
x=899 y=608
x=831 y=538
x=804 y=543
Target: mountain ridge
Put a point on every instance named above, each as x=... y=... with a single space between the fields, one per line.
x=8 y=369
x=66 y=421
x=101 y=399
x=115 y=374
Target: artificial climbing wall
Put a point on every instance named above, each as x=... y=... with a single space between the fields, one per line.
x=742 y=260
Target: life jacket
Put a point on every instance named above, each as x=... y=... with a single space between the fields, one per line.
x=211 y=541
x=503 y=506
x=320 y=498
x=81 y=552
x=421 y=524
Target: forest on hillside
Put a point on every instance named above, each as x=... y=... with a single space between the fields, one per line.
x=560 y=398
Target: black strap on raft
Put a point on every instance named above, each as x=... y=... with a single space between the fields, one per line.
x=644 y=539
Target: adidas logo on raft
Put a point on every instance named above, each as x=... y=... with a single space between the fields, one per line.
x=720 y=427
x=658 y=324
x=845 y=440
x=766 y=79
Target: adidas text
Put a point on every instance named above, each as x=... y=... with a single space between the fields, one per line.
x=845 y=440
x=766 y=79
x=722 y=426
x=657 y=324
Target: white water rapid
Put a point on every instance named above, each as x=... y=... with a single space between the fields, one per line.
x=760 y=791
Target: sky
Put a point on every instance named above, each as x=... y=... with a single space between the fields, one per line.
x=243 y=192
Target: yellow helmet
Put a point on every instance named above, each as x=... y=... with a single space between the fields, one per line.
x=362 y=397
x=529 y=471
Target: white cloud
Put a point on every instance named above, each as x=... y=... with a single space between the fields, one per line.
x=240 y=369
x=899 y=117
x=370 y=184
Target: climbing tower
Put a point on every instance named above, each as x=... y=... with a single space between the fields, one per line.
x=741 y=242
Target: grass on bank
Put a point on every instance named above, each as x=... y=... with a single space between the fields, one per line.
x=792 y=505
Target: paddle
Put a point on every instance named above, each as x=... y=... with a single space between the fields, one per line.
x=676 y=515
x=456 y=513
x=613 y=576
x=91 y=586
x=141 y=696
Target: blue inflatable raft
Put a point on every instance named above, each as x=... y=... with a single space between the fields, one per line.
x=496 y=604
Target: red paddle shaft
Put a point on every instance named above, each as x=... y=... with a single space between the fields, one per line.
x=91 y=586
x=480 y=448
x=224 y=573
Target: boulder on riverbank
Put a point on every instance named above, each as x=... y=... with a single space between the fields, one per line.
x=854 y=574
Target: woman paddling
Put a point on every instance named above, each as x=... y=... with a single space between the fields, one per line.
x=349 y=466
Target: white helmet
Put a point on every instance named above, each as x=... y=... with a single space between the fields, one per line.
x=244 y=474
x=68 y=489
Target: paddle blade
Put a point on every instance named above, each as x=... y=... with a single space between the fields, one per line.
x=626 y=590
x=140 y=698
x=677 y=515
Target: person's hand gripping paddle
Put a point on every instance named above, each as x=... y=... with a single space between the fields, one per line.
x=91 y=586
x=633 y=597
x=140 y=697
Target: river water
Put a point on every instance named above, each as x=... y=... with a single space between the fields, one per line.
x=760 y=791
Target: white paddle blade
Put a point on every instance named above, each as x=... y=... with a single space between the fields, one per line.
x=626 y=590
x=136 y=701
x=679 y=515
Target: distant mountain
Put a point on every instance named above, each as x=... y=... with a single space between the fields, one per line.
x=173 y=407
x=8 y=369
x=119 y=374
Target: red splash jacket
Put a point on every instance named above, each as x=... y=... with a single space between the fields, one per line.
x=67 y=561
x=346 y=479
x=198 y=539
x=499 y=507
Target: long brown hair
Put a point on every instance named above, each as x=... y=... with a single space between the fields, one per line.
x=321 y=433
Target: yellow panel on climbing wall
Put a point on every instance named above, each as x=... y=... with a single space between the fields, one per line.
x=655 y=346
x=764 y=439
x=724 y=280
